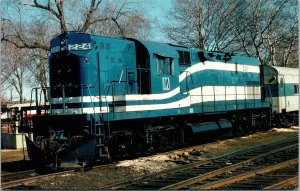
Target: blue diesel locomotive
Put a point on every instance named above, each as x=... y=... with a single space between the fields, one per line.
x=113 y=97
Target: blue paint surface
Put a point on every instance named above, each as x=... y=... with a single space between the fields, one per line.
x=110 y=67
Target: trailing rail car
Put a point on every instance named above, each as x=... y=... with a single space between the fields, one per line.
x=283 y=93
x=114 y=97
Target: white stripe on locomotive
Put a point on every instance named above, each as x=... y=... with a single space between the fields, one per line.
x=231 y=93
x=208 y=65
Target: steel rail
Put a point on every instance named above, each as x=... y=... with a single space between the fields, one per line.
x=214 y=173
x=283 y=184
x=4 y=173
x=165 y=172
x=241 y=177
x=291 y=137
x=176 y=169
x=27 y=181
x=30 y=180
x=8 y=176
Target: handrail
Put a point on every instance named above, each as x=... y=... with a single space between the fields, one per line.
x=186 y=83
x=63 y=98
x=225 y=99
x=245 y=96
x=81 y=98
x=214 y=92
x=106 y=93
x=213 y=96
x=236 y=96
x=121 y=76
x=63 y=88
x=114 y=82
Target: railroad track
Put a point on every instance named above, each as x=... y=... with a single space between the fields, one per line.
x=291 y=183
x=286 y=173
x=204 y=174
x=7 y=177
x=26 y=178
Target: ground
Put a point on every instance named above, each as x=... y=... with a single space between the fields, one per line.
x=123 y=170
x=10 y=155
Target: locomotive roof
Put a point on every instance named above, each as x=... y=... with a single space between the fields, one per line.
x=281 y=70
x=158 y=48
x=285 y=70
x=162 y=49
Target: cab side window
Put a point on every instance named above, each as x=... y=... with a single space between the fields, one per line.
x=184 y=58
x=296 y=89
x=165 y=66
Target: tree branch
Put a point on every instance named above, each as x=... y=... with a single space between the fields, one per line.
x=34 y=45
x=47 y=8
x=92 y=9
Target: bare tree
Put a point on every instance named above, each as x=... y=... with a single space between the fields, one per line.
x=33 y=23
x=3 y=98
x=14 y=70
x=125 y=21
x=96 y=13
x=15 y=29
x=4 y=95
x=18 y=58
x=38 y=67
x=267 y=30
x=38 y=58
x=203 y=24
x=56 y=9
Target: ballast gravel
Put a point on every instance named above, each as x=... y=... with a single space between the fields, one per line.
x=128 y=169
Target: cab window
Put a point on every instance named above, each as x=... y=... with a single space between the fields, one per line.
x=184 y=58
x=165 y=66
x=296 y=89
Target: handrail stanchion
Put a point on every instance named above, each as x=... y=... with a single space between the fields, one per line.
x=63 y=98
x=81 y=93
x=37 y=101
x=50 y=100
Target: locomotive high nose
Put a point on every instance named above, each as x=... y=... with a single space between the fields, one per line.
x=64 y=138
x=69 y=64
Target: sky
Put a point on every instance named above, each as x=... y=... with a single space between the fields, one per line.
x=157 y=9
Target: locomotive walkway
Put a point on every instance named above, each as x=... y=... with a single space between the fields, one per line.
x=250 y=168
